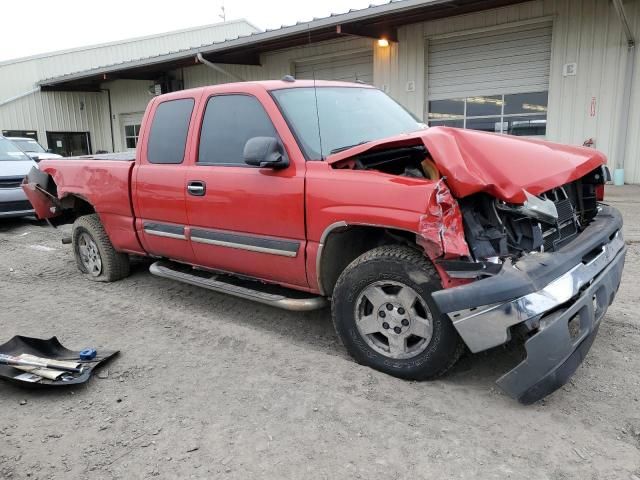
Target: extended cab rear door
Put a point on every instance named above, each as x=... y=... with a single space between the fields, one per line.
x=245 y=219
x=159 y=177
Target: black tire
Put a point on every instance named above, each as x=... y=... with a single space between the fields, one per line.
x=401 y=265
x=113 y=265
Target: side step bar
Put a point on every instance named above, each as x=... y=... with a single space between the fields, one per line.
x=166 y=270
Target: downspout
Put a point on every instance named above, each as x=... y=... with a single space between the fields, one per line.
x=217 y=68
x=113 y=142
x=618 y=173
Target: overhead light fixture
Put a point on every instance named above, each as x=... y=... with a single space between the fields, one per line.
x=444 y=116
x=383 y=42
x=482 y=100
x=536 y=108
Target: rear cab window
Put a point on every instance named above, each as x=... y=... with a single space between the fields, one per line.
x=169 y=130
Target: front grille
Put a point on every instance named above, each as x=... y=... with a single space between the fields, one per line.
x=10 y=182
x=565 y=210
x=15 y=206
x=554 y=236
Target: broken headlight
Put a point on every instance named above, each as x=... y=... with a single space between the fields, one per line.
x=541 y=209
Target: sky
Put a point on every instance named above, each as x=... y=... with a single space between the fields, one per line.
x=55 y=25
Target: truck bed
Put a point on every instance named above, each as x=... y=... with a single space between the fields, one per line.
x=118 y=156
x=103 y=181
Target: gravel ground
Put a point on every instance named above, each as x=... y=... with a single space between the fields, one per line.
x=211 y=386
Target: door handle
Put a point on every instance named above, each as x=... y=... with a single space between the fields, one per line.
x=196 y=188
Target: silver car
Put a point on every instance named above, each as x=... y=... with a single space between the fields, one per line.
x=14 y=166
x=32 y=148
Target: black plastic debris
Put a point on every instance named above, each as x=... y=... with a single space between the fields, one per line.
x=50 y=349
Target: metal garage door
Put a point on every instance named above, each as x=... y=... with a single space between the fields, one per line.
x=479 y=81
x=347 y=67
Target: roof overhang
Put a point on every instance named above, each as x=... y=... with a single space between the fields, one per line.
x=380 y=21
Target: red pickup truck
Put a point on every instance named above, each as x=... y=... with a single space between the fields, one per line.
x=426 y=241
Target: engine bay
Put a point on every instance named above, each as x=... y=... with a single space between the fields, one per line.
x=496 y=230
x=413 y=161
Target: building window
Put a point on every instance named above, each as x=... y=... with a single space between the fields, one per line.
x=131 y=133
x=522 y=114
x=21 y=133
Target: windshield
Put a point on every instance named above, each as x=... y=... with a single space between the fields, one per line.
x=347 y=116
x=29 y=146
x=9 y=152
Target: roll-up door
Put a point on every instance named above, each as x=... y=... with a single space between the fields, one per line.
x=495 y=81
x=350 y=67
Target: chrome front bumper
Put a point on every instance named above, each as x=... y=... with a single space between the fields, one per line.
x=561 y=339
x=555 y=300
x=488 y=326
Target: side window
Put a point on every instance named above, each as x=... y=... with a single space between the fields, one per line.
x=169 y=129
x=229 y=121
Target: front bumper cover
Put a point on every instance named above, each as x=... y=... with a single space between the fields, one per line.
x=562 y=313
x=13 y=203
x=563 y=339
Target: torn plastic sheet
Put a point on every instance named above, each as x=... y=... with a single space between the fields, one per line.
x=51 y=349
x=441 y=229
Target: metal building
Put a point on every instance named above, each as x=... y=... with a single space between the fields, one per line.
x=564 y=70
x=71 y=121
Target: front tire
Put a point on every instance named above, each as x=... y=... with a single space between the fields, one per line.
x=94 y=253
x=384 y=314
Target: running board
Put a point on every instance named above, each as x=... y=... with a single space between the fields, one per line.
x=216 y=283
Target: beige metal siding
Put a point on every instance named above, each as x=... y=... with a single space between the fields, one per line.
x=506 y=61
x=60 y=112
x=346 y=67
x=19 y=76
x=275 y=65
x=55 y=111
x=587 y=32
x=590 y=33
x=632 y=164
x=127 y=96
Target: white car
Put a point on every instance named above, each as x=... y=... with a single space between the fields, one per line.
x=32 y=148
x=14 y=166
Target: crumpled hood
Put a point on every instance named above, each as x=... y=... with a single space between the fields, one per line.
x=501 y=165
x=15 y=168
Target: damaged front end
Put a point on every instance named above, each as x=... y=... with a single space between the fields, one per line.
x=497 y=231
x=546 y=271
x=524 y=246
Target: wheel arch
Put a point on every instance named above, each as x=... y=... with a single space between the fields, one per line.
x=50 y=203
x=343 y=242
x=78 y=204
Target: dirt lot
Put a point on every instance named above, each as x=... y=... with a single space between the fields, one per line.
x=210 y=386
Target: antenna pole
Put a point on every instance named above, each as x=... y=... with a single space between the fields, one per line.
x=223 y=13
x=315 y=93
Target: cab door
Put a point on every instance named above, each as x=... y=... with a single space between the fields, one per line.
x=159 y=193
x=245 y=219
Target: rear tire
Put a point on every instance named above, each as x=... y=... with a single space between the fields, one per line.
x=384 y=314
x=94 y=253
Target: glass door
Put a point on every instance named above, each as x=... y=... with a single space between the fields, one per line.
x=69 y=144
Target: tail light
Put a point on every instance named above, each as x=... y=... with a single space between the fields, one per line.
x=600 y=192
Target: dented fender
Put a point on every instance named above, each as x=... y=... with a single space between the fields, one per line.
x=441 y=231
